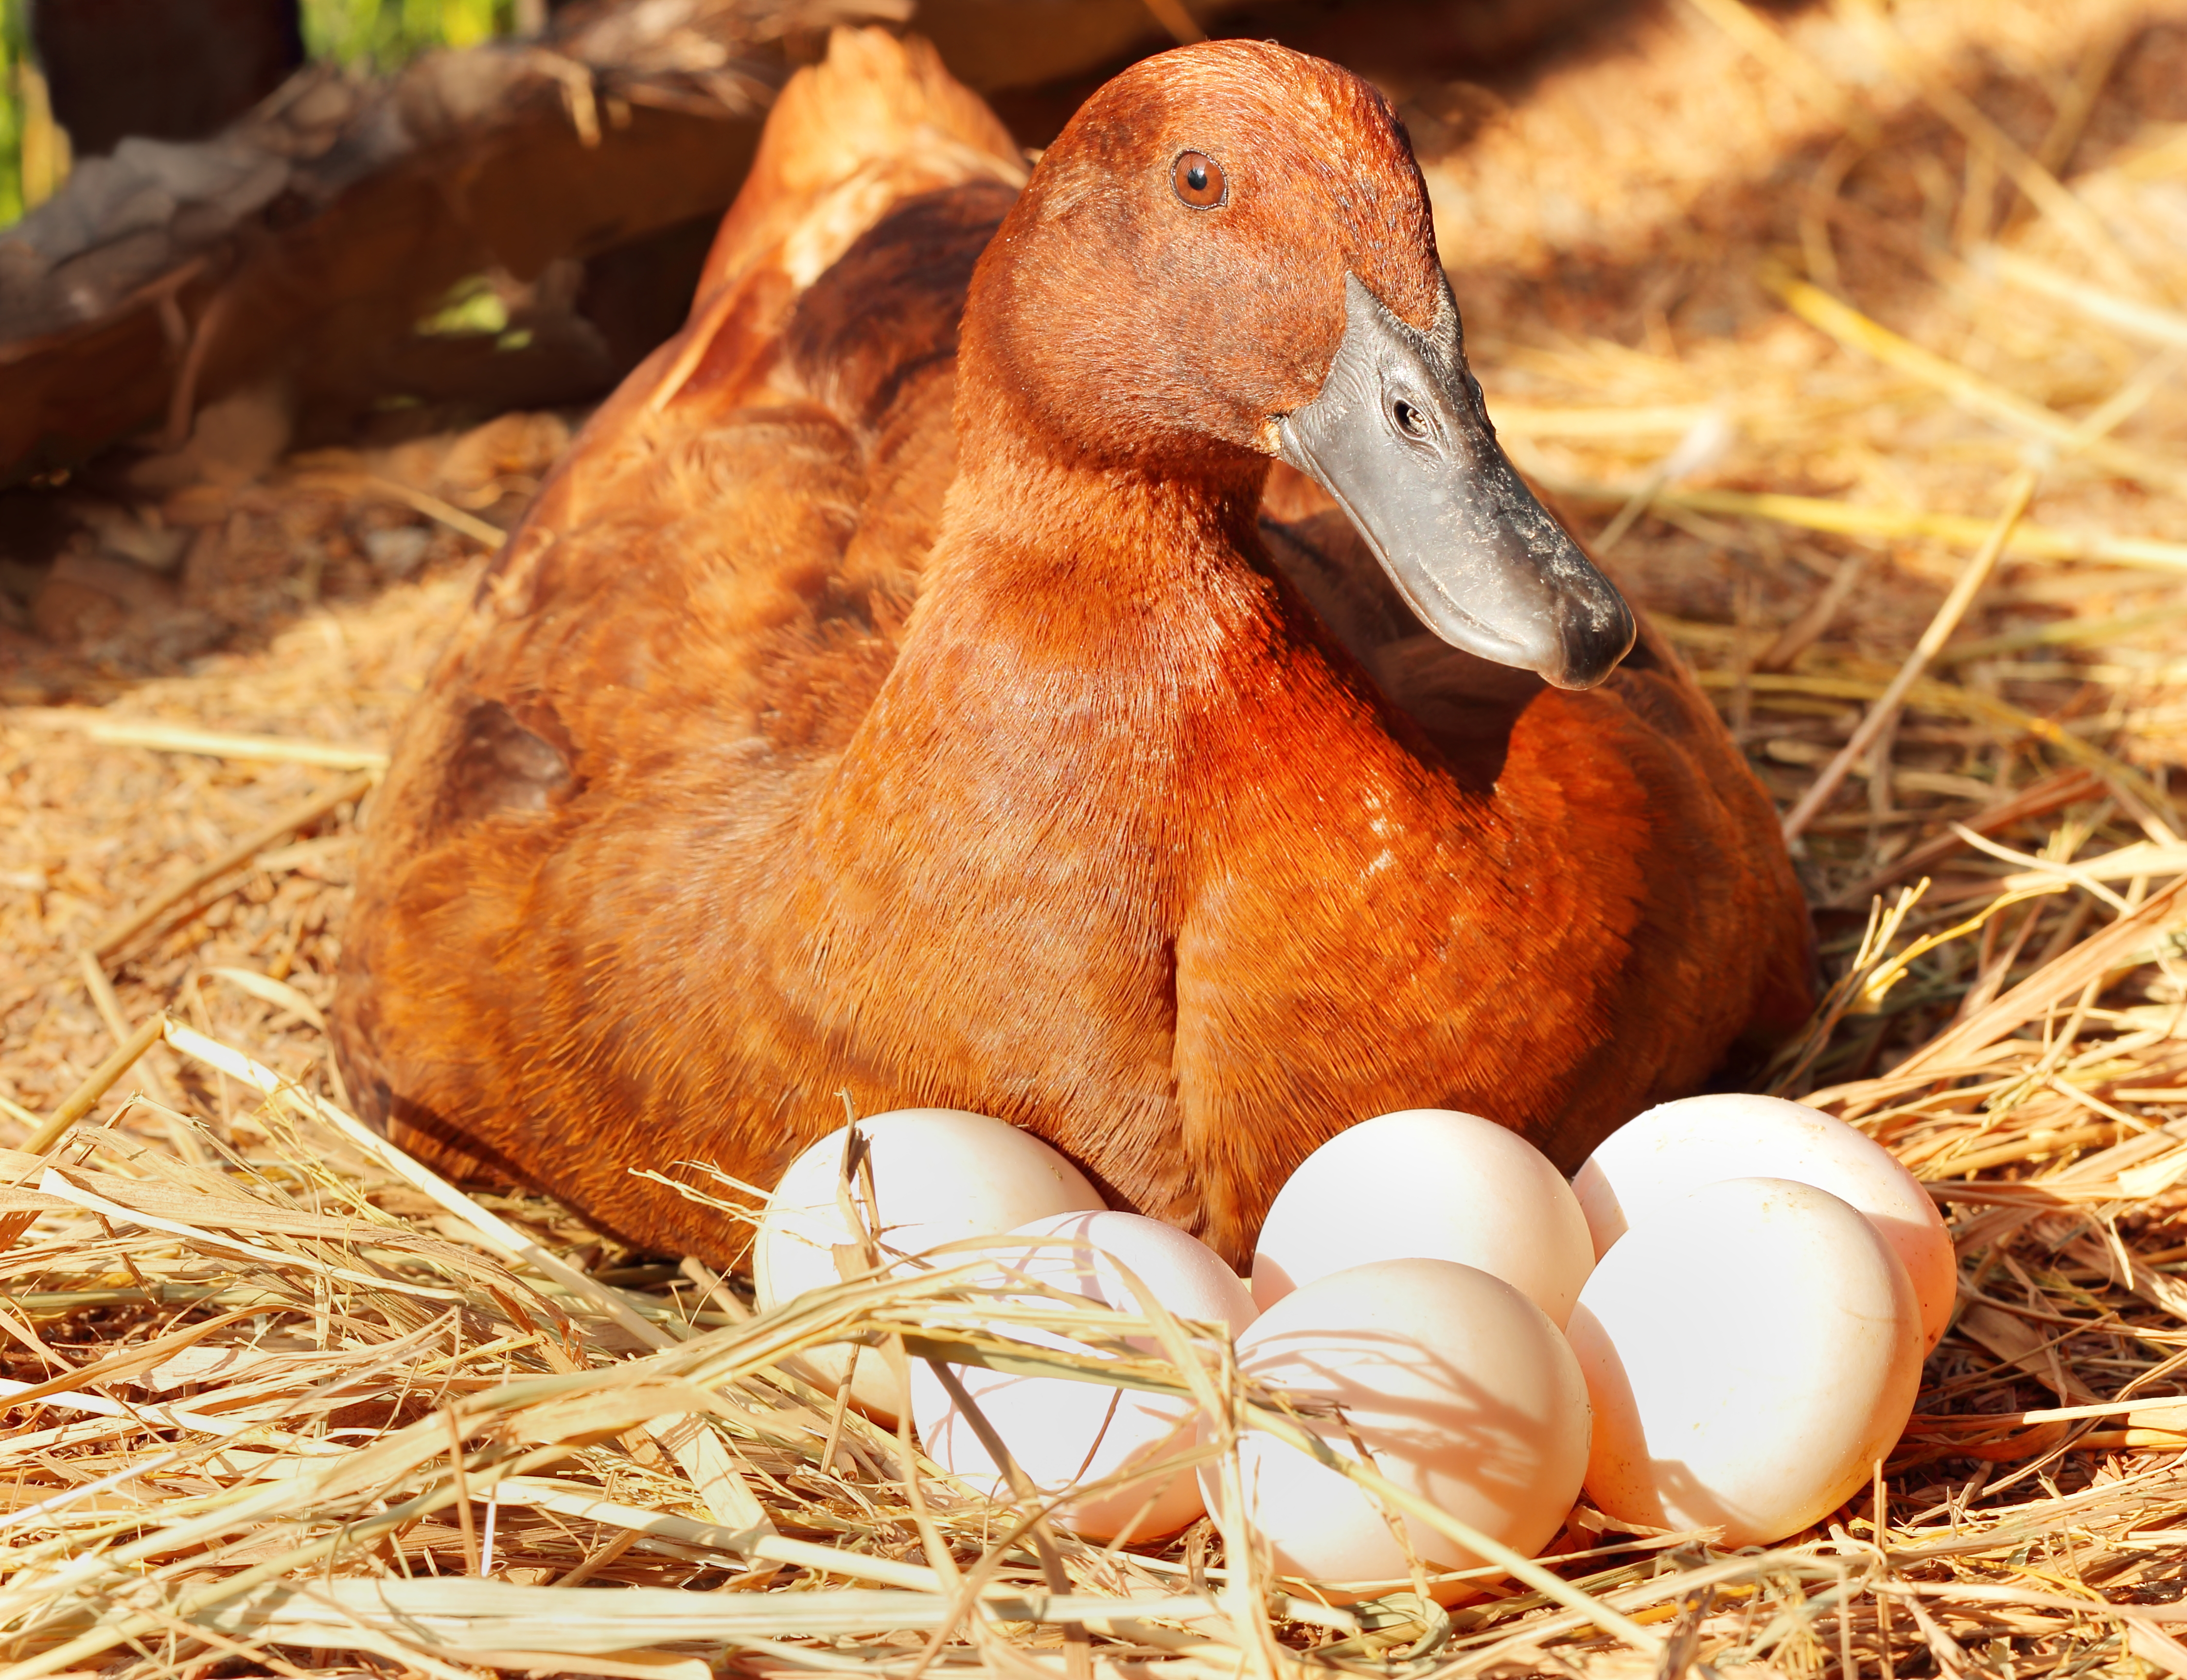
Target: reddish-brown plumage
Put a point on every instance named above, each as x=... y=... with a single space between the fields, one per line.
x=1092 y=800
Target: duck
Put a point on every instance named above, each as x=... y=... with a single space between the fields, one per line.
x=1062 y=645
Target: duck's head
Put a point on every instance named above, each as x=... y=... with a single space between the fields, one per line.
x=1227 y=255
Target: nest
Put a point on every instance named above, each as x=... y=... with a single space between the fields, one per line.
x=1882 y=418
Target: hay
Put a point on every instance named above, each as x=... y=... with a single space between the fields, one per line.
x=282 y=1401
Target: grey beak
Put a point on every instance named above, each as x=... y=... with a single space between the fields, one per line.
x=1399 y=437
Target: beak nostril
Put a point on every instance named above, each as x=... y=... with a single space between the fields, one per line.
x=1399 y=442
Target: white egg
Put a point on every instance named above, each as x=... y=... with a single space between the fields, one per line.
x=1432 y=1185
x=1751 y=1350
x=940 y=1175
x=1059 y=1431
x=1675 y=1148
x=1459 y=1386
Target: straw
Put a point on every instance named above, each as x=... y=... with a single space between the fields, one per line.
x=282 y=1396
x=1885 y=711
x=176 y=738
x=235 y=857
x=86 y=1096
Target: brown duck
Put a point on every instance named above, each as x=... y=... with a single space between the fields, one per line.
x=1057 y=763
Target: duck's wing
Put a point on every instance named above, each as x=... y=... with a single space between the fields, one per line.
x=710 y=586
x=878 y=121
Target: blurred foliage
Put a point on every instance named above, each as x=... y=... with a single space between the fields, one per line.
x=14 y=57
x=382 y=34
x=379 y=35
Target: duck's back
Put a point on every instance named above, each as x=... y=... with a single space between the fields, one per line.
x=691 y=618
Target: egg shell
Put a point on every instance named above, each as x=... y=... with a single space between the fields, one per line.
x=1460 y=1388
x=1061 y=1431
x=1750 y=1351
x=940 y=1175
x=1675 y=1148
x=1431 y=1184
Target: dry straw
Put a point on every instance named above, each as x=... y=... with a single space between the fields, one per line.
x=283 y=1400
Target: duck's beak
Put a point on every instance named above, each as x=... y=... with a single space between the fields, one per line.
x=1399 y=437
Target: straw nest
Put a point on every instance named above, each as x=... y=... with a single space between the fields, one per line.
x=1854 y=340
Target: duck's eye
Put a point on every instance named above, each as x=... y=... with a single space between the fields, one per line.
x=1199 y=181
x=1410 y=421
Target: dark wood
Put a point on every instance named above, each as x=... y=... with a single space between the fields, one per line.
x=343 y=210
x=169 y=69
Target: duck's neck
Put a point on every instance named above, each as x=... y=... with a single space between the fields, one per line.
x=1114 y=578
x=1107 y=654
